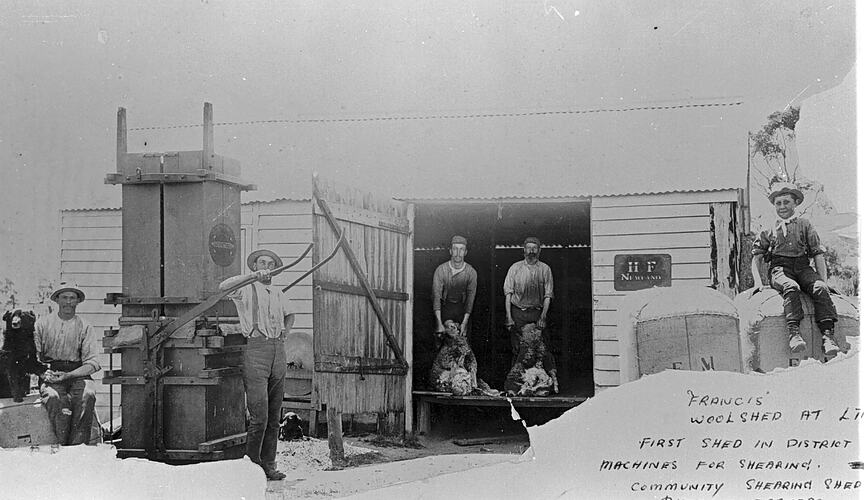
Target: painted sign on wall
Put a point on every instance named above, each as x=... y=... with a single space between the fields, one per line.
x=639 y=271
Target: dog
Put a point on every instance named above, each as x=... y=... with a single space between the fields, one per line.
x=528 y=376
x=289 y=427
x=18 y=353
x=455 y=367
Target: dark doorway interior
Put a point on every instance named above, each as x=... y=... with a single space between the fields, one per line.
x=495 y=232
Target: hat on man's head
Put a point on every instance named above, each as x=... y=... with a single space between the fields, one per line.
x=531 y=239
x=459 y=240
x=250 y=261
x=67 y=287
x=780 y=188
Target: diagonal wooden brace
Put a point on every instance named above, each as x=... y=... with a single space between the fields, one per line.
x=355 y=265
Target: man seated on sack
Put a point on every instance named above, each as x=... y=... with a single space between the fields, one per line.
x=67 y=344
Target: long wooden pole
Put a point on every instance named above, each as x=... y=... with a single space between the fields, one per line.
x=207 y=153
x=121 y=138
x=164 y=332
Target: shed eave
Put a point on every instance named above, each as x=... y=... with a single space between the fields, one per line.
x=556 y=198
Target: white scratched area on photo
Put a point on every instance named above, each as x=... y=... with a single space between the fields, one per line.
x=791 y=433
x=94 y=472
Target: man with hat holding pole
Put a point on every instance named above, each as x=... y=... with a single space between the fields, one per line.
x=454 y=285
x=265 y=318
x=67 y=344
x=787 y=248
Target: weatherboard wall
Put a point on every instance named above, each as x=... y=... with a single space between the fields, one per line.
x=697 y=229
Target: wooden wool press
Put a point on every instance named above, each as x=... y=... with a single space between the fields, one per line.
x=181 y=380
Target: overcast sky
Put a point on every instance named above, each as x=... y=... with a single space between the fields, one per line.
x=65 y=68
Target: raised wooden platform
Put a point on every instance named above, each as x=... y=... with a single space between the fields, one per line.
x=423 y=401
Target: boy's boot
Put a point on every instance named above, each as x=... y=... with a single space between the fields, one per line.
x=829 y=345
x=796 y=343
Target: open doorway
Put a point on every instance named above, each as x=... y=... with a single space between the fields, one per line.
x=495 y=231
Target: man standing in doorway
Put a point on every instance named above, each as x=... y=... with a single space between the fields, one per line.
x=265 y=318
x=67 y=344
x=527 y=293
x=454 y=286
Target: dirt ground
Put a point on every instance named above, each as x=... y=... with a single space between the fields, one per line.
x=372 y=462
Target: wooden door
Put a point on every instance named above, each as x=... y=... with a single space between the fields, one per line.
x=361 y=301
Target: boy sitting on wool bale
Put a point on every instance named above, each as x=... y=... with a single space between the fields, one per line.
x=787 y=248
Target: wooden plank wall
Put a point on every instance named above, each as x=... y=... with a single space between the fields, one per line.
x=679 y=224
x=285 y=227
x=91 y=255
x=347 y=324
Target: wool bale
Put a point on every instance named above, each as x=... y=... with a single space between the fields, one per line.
x=765 y=340
x=679 y=328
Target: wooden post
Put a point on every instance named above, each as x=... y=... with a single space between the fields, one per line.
x=334 y=436
x=122 y=147
x=409 y=323
x=424 y=416
x=313 y=422
x=207 y=153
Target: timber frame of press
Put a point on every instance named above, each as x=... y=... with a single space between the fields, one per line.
x=423 y=401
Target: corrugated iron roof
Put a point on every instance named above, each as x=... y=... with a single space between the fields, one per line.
x=248 y=202
x=88 y=209
x=558 y=197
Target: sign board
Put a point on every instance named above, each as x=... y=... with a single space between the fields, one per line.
x=222 y=244
x=639 y=271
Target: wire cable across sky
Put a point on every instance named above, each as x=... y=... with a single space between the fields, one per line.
x=446 y=116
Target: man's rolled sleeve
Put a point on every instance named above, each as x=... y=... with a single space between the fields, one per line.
x=437 y=287
x=38 y=335
x=88 y=349
x=547 y=292
x=470 y=291
x=508 y=281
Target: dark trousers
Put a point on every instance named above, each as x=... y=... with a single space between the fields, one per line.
x=264 y=370
x=454 y=311
x=520 y=319
x=791 y=276
x=70 y=406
